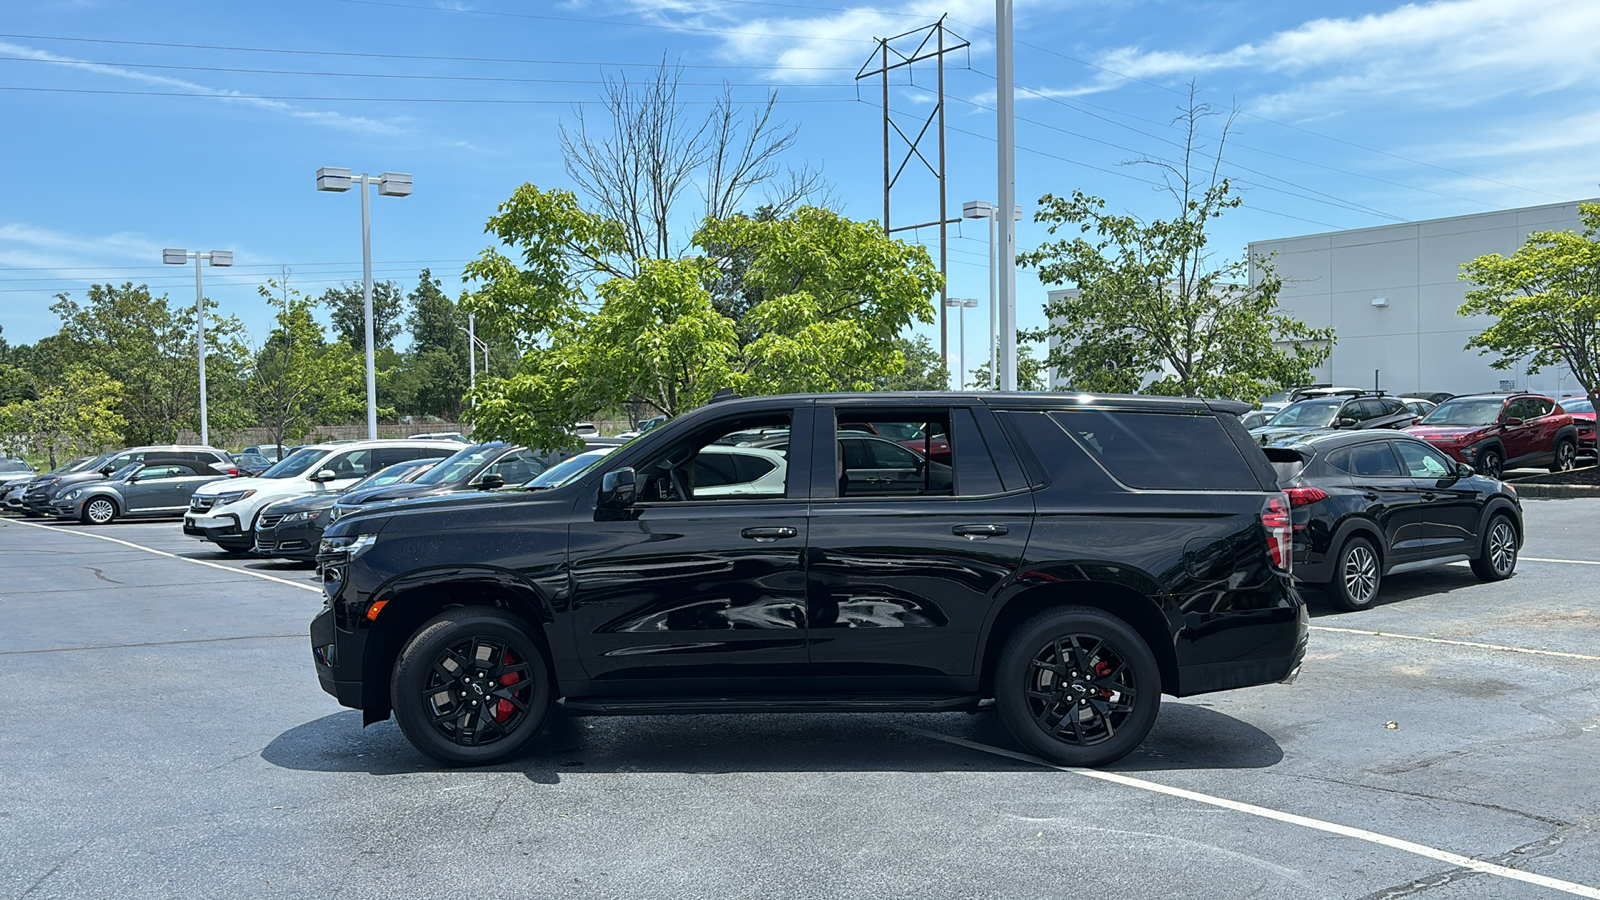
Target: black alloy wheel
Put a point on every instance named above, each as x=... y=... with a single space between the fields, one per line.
x=1497 y=556
x=98 y=511
x=1077 y=686
x=1357 y=575
x=1566 y=456
x=1491 y=463
x=471 y=687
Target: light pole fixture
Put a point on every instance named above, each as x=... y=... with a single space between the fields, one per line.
x=1006 y=167
x=983 y=209
x=390 y=184
x=222 y=259
x=962 y=305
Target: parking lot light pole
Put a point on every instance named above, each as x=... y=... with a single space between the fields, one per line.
x=962 y=305
x=221 y=259
x=390 y=184
x=983 y=209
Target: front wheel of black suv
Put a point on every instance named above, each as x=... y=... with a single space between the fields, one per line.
x=471 y=687
x=1497 y=557
x=1077 y=686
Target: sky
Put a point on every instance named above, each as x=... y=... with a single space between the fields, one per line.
x=126 y=127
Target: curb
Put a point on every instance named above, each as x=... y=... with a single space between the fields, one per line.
x=1555 y=491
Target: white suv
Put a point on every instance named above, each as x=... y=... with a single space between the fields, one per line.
x=225 y=512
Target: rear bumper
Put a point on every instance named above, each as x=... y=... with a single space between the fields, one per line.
x=1267 y=645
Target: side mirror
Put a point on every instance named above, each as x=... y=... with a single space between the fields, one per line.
x=324 y=475
x=1464 y=471
x=1511 y=422
x=107 y=469
x=618 y=490
x=1348 y=422
x=491 y=481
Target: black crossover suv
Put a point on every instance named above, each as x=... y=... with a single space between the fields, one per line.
x=1368 y=504
x=1082 y=556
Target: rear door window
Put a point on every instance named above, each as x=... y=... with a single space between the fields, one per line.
x=1372 y=460
x=1160 y=451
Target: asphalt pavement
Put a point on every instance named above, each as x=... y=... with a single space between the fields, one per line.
x=166 y=737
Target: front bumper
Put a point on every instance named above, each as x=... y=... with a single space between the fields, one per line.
x=331 y=664
x=295 y=541
x=67 y=509
x=220 y=529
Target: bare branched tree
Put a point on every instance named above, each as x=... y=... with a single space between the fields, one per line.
x=638 y=167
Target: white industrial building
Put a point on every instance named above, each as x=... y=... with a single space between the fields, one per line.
x=1391 y=294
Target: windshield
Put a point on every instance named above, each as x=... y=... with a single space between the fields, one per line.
x=1307 y=414
x=392 y=475
x=14 y=465
x=294 y=464
x=1475 y=411
x=1279 y=397
x=1577 y=405
x=566 y=470
x=461 y=466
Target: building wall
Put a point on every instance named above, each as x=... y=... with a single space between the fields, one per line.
x=1417 y=341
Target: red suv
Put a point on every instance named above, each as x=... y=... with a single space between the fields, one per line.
x=1495 y=432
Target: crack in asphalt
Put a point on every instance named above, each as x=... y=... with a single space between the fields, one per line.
x=1548 y=820
x=100 y=574
x=1512 y=858
x=54 y=869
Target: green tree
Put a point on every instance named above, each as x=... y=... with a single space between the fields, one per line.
x=299 y=379
x=1545 y=298
x=1152 y=302
x=923 y=369
x=433 y=380
x=16 y=385
x=78 y=413
x=347 y=307
x=835 y=296
x=149 y=347
x=1031 y=372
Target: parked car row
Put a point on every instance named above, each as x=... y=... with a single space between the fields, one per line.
x=150 y=480
x=1491 y=432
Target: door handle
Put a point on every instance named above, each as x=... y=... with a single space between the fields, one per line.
x=1370 y=495
x=769 y=533
x=978 y=532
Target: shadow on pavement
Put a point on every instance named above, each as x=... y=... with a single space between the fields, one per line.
x=1435 y=582
x=1186 y=736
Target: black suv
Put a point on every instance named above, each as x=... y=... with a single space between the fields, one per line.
x=1078 y=557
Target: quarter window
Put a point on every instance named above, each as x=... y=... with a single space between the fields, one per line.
x=1161 y=451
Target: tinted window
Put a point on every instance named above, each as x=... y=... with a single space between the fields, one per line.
x=1392 y=407
x=1538 y=406
x=907 y=453
x=713 y=469
x=1365 y=410
x=1160 y=450
x=350 y=464
x=1373 y=460
x=974 y=464
x=751 y=468
x=889 y=455
x=1423 y=461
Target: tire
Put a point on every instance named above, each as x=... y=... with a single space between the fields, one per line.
x=1497 y=551
x=1357 y=575
x=98 y=511
x=456 y=731
x=1491 y=463
x=1566 y=456
x=1034 y=681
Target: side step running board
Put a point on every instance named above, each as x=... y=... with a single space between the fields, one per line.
x=650 y=706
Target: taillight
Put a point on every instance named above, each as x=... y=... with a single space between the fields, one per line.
x=1305 y=496
x=1275 y=518
x=234 y=472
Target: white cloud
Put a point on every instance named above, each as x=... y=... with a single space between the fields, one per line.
x=1454 y=52
x=324 y=117
x=19 y=240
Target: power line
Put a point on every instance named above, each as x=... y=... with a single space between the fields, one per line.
x=490 y=78
x=515 y=101
x=410 y=56
x=589 y=21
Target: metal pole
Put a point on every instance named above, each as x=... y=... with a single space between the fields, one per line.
x=472 y=352
x=963 y=379
x=1005 y=134
x=885 y=136
x=200 y=338
x=944 y=230
x=994 y=372
x=366 y=287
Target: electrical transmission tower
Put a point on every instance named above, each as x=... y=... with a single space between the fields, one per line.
x=904 y=51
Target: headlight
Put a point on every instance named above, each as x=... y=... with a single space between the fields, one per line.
x=72 y=495
x=351 y=546
x=232 y=497
x=309 y=515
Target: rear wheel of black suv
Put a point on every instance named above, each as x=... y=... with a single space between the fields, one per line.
x=471 y=687
x=1077 y=686
x=1497 y=557
x=1357 y=575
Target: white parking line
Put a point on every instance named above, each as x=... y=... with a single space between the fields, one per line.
x=1570 y=562
x=1360 y=834
x=198 y=562
x=1428 y=640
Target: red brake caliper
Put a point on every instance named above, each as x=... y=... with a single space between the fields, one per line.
x=1101 y=668
x=504 y=708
